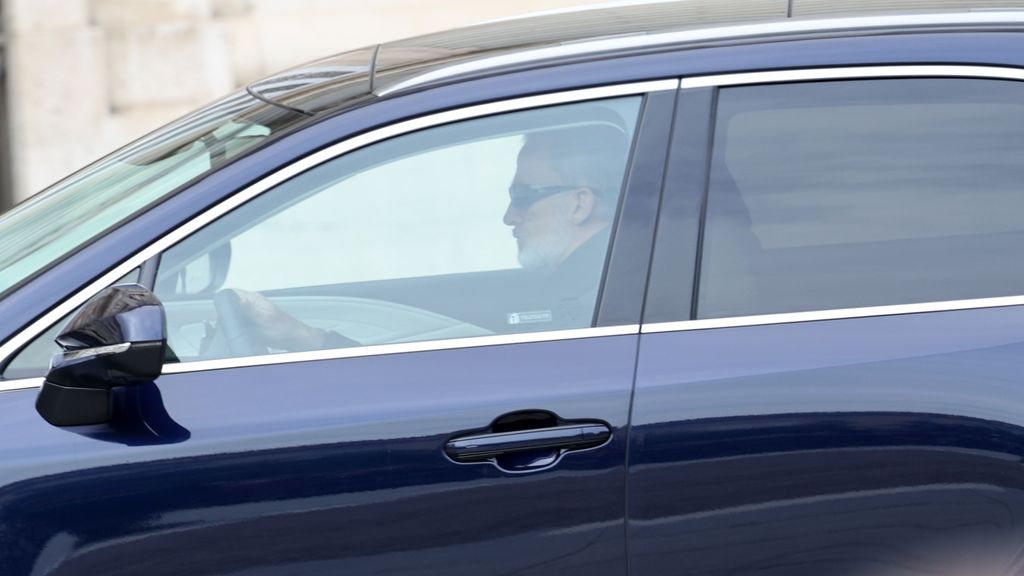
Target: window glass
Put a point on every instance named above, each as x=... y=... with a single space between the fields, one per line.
x=53 y=223
x=862 y=193
x=488 y=226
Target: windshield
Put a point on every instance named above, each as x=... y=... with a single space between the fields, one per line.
x=69 y=214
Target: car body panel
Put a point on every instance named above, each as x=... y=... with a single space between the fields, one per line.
x=320 y=467
x=843 y=446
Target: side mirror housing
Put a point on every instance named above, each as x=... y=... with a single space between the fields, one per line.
x=117 y=339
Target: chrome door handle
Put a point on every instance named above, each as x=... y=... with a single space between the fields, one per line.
x=485 y=446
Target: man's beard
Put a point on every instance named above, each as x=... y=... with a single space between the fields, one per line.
x=546 y=251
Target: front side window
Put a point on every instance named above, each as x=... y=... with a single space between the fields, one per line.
x=860 y=193
x=487 y=226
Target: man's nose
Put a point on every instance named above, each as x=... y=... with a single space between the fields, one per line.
x=512 y=216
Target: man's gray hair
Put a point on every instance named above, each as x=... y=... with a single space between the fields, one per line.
x=590 y=155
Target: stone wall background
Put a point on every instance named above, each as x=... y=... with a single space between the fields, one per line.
x=84 y=77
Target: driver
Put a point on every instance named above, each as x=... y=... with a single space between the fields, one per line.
x=561 y=205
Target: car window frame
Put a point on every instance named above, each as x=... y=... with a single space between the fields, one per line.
x=612 y=328
x=671 y=300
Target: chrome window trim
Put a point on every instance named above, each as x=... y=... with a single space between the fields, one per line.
x=854 y=72
x=20 y=384
x=835 y=314
x=26 y=335
x=842 y=73
x=711 y=34
x=402 y=348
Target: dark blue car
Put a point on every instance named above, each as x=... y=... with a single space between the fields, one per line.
x=599 y=292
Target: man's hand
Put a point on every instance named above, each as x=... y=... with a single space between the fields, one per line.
x=276 y=327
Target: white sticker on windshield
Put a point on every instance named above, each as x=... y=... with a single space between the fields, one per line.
x=529 y=317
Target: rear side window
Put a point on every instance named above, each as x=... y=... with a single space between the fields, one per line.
x=863 y=193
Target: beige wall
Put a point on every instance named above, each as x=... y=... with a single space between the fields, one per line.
x=86 y=76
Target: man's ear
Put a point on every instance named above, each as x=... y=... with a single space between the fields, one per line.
x=583 y=205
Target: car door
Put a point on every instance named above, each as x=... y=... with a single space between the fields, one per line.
x=837 y=390
x=463 y=409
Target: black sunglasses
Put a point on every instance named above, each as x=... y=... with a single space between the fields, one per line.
x=521 y=196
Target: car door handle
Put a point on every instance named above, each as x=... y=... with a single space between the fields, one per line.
x=569 y=437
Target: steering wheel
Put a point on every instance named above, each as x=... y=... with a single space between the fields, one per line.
x=236 y=335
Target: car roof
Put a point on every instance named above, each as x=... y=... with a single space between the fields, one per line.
x=573 y=34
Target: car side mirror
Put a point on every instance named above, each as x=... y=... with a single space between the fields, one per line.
x=118 y=338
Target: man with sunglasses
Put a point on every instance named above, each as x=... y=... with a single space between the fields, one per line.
x=562 y=201
x=561 y=205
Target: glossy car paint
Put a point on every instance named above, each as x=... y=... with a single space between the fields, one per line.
x=876 y=445
x=887 y=445
x=338 y=465
x=327 y=467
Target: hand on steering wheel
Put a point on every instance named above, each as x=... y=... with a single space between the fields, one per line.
x=235 y=329
x=249 y=324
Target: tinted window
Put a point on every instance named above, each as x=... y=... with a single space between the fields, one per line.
x=487 y=226
x=861 y=193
